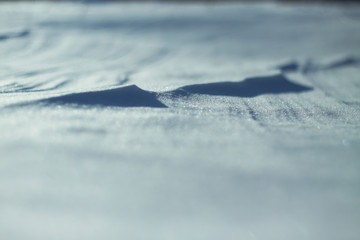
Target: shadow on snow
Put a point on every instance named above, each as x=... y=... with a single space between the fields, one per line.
x=130 y=96
x=250 y=87
x=7 y=36
x=133 y=96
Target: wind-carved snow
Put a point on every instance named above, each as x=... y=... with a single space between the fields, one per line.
x=133 y=96
x=179 y=121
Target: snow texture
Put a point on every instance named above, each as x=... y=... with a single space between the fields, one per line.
x=179 y=121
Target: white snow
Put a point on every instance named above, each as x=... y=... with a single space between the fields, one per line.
x=179 y=121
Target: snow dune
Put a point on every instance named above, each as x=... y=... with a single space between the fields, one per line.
x=133 y=96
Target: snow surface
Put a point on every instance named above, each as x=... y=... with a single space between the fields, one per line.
x=179 y=121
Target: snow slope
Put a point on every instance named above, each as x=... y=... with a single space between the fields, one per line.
x=179 y=121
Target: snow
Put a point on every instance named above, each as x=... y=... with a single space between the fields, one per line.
x=179 y=121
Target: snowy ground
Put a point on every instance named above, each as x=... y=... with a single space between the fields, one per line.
x=175 y=121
